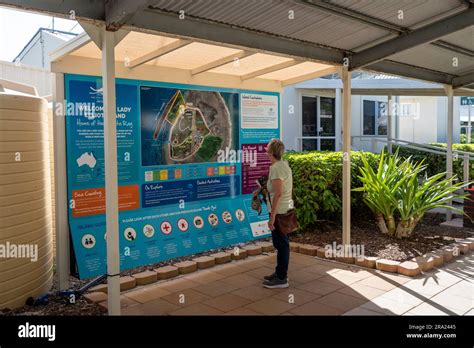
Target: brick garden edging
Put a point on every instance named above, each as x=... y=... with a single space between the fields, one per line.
x=98 y=293
x=411 y=268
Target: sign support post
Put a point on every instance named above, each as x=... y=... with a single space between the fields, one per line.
x=346 y=156
x=449 y=138
x=111 y=180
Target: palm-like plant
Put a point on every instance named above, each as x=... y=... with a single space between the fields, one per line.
x=399 y=189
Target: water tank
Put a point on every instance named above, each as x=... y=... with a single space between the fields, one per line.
x=26 y=237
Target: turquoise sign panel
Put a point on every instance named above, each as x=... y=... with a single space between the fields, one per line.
x=188 y=159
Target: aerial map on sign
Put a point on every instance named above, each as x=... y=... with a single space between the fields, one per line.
x=184 y=126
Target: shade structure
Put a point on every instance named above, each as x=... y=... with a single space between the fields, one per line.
x=391 y=38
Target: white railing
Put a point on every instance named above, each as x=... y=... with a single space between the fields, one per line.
x=390 y=142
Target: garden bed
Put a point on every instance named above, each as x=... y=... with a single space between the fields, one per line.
x=428 y=236
x=57 y=305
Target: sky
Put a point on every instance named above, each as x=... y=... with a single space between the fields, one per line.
x=18 y=27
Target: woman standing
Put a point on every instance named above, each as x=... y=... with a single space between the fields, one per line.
x=280 y=185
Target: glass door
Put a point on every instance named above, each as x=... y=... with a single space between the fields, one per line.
x=309 y=127
x=318 y=129
x=327 y=123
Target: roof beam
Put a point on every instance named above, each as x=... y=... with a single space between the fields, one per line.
x=70 y=46
x=453 y=48
x=221 y=61
x=393 y=29
x=351 y=14
x=463 y=80
x=212 y=32
x=71 y=9
x=418 y=37
x=118 y=12
x=311 y=75
x=159 y=52
x=270 y=69
x=410 y=71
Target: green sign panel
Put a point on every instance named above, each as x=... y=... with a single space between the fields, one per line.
x=467 y=100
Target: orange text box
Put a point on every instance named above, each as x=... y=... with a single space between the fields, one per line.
x=92 y=201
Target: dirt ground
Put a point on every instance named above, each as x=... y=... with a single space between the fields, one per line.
x=427 y=236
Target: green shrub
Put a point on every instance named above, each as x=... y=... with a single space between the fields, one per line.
x=399 y=195
x=437 y=163
x=463 y=138
x=317 y=184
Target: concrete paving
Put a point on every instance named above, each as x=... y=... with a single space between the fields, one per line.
x=445 y=291
x=317 y=287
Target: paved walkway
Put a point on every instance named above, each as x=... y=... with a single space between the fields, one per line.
x=317 y=287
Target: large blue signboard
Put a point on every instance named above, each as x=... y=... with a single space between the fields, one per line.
x=188 y=159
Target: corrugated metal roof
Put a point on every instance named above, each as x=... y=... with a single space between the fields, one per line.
x=273 y=16
x=313 y=24
x=314 y=30
x=413 y=11
x=435 y=58
x=463 y=38
x=310 y=23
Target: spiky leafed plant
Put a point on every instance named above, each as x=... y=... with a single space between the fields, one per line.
x=398 y=188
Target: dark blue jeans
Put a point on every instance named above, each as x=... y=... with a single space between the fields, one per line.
x=281 y=243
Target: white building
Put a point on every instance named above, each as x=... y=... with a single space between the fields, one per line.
x=31 y=65
x=312 y=114
x=36 y=51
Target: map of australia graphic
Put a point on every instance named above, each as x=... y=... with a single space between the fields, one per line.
x=87 y=159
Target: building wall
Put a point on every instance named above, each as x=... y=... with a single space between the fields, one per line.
x=33 y=76
x=37 y=54
x=34 y=54
x=422 y=128
x=290 y=117
x=429 y=127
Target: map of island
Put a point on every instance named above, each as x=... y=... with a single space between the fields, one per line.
x=191 y=126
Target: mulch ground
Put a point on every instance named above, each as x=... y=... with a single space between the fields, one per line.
x=427 y=236
x=58 y=305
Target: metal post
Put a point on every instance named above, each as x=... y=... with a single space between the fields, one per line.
x=397 y=118
x=465 y=166
x=468 y=122
x=60 y=188
x=346 y=156
x=111 y=182
x=337 y=108
x=449 y=150
x=389 y=124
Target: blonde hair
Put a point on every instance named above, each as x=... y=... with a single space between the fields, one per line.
x=276 y=148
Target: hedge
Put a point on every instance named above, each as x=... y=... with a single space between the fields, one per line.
x=317 y=184
x=437 y=163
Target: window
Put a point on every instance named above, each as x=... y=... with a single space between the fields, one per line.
x=382 y=118
x=327 y=120
x=375 y=117
x=369 y=117
x=318 y=127
x=310 y=113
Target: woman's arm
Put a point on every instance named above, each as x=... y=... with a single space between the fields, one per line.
x=277 y=185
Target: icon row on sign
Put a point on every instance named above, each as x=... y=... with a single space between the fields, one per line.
x=130 y=234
